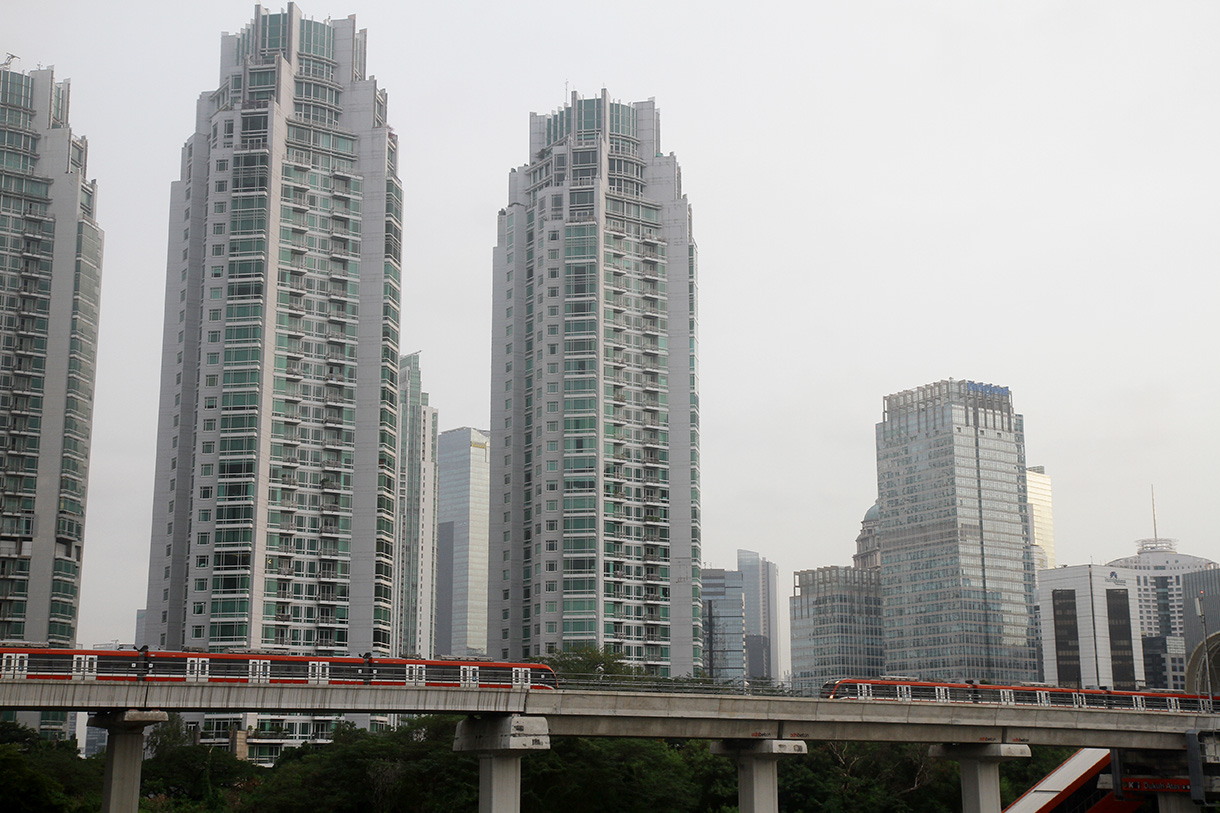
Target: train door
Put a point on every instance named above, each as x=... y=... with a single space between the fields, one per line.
x=470 y=676
x=864 y=691
x=14 y=665
x=84 y=667
x=942 y=694
x=197 y=670
x=319 y=672
x=1007 y=697
x=521 y=677
x=904 y=691
x=260 y=672
x=416 y=674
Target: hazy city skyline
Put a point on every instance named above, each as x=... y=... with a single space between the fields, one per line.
x=1017 y=194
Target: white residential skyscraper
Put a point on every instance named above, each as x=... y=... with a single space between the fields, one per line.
x=461 y=542
x=274 y=504
x=595 y=462
x=50 y=273
x=416 y=557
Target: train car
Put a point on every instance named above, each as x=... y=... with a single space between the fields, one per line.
x=915 y=690
x=43 y=663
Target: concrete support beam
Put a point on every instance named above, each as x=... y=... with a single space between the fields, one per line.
x=124 y=756
x=500 y=743
x=980 y=771
x=757 y=771
x=1175 y=803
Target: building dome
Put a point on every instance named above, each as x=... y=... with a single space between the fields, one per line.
x=873 y=514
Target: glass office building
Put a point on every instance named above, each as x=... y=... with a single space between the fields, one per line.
x=461 y=542
x=724 y=625
x=595 y=452
x=957 y=572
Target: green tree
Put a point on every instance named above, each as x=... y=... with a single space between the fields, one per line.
x=412 y=768
x=603 y=775
x=713 y=776
x=25 y=788
x=591 y=661
x=165 y=736
x=56 y=777
x=1019 y=775
x=851 y=777
x=200 y=773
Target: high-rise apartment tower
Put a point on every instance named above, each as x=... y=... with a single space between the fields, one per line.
x=416 y=557
x=274 y=504
x=957 y=578
x=595 y=461
x=50 y=271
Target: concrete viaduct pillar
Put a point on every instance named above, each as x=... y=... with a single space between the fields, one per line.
x=124 y=756
x=980 y=771
x=757 y=772
x=500 y=743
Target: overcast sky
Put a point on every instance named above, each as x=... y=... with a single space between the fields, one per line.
x=885 y=195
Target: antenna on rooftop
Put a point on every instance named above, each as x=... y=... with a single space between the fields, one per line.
x=1154 y=533
x=9 y=60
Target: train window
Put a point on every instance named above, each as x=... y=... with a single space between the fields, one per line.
x=42 y=663
x=495 y=676
x=885 y=691
x=169 y=666
x=227 y=669
x=289 y=671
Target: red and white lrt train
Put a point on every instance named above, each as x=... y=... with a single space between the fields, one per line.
x=37 y=663
x=913 y=689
